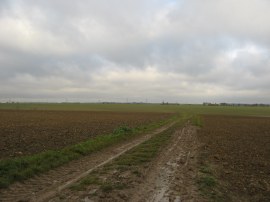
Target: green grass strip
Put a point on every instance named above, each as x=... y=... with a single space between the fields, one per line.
x=197 y=120
x=18 y=169
x=208 y=184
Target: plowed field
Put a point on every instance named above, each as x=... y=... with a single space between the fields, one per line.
x=29 y=132
x=237 y=149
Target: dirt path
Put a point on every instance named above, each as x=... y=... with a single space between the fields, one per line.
x=170 y=176
x=173 y=176
x=45 y=186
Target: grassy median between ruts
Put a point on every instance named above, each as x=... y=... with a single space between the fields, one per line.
x=126 y=171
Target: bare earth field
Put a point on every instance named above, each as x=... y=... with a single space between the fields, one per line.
x=236 y=152
x=33 y=131
x=227 y=159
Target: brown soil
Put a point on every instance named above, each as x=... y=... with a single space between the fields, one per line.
x=46 y=186
x=29 y=132
x=238 y=151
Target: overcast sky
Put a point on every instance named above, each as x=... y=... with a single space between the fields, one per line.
x=186 y=51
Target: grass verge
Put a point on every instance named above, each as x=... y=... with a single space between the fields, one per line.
x=19 y=169
x=197 y=121
x=208 y=184
x=206 y=180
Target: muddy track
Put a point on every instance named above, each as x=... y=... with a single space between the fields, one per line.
x=173 y=176
x=45 y=186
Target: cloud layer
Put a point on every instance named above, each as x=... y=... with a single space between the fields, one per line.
x=177 y=51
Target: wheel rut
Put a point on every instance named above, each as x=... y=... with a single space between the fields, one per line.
x=173 y=176
x=44 y=186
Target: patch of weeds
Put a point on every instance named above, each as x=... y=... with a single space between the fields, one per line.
x=110 y=186
x=197 y=121
x=107 y=187
x=120 y=186
x=89 y=180
x=208 y=184
x=106 y=169
x=123 y=129
x=4 y=182
x=137 y=173
x=121 y=168
x=205 y=169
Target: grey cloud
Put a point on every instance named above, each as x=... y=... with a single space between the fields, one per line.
x=103 y=49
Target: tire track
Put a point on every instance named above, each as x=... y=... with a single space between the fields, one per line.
x=45 y=186
x=173 y=176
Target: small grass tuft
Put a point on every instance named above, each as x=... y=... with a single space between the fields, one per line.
x=207 y=182
x=89 y=180
x=122 y=129
x=197 y=121
x=137 y=173
x=107 y=187
x=205 y=169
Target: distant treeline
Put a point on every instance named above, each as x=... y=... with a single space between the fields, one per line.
x=235 y=104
